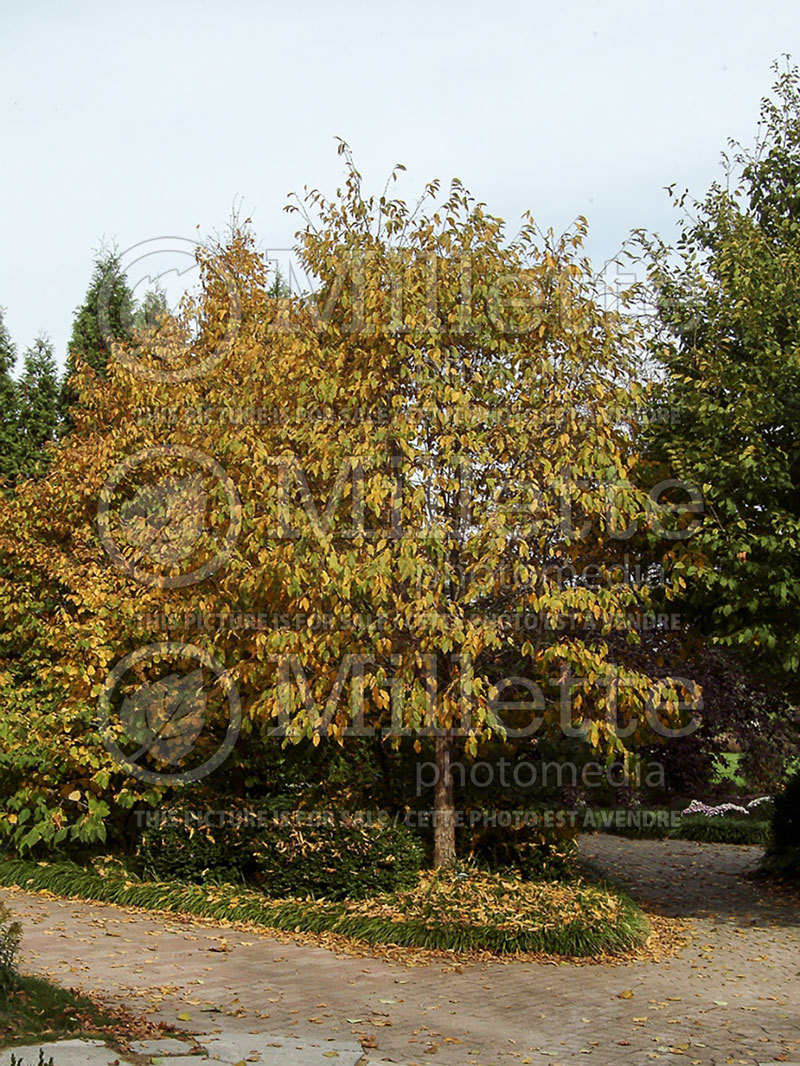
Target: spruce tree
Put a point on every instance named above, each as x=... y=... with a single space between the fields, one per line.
x=152 y=307
x=38 y=405
x=9 y=407
x=105 y=315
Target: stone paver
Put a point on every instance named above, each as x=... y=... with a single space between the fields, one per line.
x=231 y=1049
x=732 y=996
x=167 y=1046
x=63 y=1053
x=273 y=1051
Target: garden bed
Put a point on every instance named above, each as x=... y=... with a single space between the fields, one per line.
x=457 y=911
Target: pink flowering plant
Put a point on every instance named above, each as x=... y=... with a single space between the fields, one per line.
x=698 y=807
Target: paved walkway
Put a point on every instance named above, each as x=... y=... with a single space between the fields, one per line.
x=731 y=996
x=219 y=1049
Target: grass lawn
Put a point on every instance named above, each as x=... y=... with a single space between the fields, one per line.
x=37 y=1011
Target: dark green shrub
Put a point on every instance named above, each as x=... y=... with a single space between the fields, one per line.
x=10 y=934
x=783 y=853
x=652 y=824
x=336 y=856
x=538 y=851
x=181 y=848
x=286 y=852
x=727 y=829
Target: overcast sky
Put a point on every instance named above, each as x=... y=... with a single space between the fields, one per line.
x=128 y=122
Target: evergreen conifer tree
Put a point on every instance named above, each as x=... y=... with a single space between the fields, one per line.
x=9 y=407
x=38 y=405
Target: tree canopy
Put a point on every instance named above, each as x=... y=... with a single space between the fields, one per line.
x=402 y=469
x=729 y=342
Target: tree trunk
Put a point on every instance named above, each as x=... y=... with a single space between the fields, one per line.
x=444 y=825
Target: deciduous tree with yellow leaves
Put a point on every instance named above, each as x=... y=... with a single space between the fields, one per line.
x=406 y=462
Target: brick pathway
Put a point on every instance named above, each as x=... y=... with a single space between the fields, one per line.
x=732 y=996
